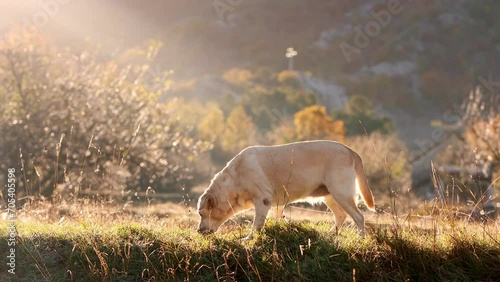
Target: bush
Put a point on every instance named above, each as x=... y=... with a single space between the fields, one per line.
x=314 y=123
x=72 y=122
x=359 y=118
x=386 y=165
x=238 y=77
x=267 y=105
x=290 y=78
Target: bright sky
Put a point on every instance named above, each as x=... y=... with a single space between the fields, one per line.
x=112 y=24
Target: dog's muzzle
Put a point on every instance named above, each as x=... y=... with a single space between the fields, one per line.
x=205 y=231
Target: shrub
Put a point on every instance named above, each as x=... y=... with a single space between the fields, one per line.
x=358 y=117
x=314 y=123
x=385 y=158
x=290 y=78
x=72 y=122
x=238 y=77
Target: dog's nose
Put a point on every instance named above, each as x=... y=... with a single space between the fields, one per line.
x=205 y=231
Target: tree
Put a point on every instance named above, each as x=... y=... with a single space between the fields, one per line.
x=482 y=130
x=72 y=122
x=239 y=131
x=359 y=105
x=359 y=118
x=268 y=106
x=472 y=157
x=212 y=125
x=189 y=112
x=289 y=78
x=238 y=77
x=477 y=128
x=484 y=135
x=314 y=123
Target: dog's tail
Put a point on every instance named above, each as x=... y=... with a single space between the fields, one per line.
x=364 y=188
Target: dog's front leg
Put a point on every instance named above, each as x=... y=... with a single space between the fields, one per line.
x=262 y=207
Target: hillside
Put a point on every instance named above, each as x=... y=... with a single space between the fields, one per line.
x=409 y=63
x=424 y=57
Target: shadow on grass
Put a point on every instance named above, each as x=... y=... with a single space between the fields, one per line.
x=284 y=251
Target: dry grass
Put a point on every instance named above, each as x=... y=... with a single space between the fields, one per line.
x=159 y=243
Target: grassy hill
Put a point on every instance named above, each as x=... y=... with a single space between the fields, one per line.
x=121 y=248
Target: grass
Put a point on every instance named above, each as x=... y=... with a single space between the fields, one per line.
x=152 y=249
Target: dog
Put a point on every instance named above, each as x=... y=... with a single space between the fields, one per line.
x=262 y=177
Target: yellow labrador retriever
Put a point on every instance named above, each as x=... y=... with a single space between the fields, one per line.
x=274 y=176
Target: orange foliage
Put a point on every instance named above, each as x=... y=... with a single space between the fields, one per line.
x=237 y=76
x=314 y=123
x=289 y=78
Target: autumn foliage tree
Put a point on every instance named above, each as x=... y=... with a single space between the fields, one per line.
x=289 y=78
x=266 y=105
x=228 y=136
x=212 y=126
x=238 y=77
x=239 y=131
x=314 y=123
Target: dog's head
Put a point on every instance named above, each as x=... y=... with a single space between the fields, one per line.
x=215 y=206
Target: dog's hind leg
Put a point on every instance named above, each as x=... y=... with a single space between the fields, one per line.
x=342 y=186
x=338 y=212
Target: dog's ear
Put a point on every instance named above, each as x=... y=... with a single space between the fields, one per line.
x=210 y=201
x=207 y=201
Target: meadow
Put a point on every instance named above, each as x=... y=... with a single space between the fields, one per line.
x=93 y=136
x=95 y=242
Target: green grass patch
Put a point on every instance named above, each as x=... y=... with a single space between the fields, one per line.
x=296 y=251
